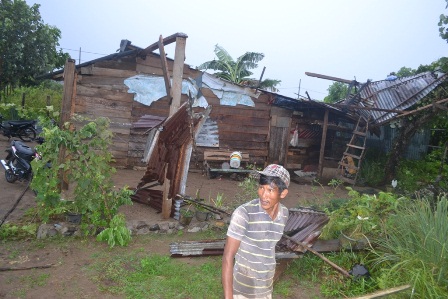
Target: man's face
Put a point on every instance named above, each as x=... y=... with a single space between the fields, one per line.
x=270 y=196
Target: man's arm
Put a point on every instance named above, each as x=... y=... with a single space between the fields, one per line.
x=230 y=250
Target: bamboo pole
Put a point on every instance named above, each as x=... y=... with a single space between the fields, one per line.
x=339 y=269
x=385 y=292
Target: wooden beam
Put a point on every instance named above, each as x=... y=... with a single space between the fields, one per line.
x=329 y=78
x=166 y=73
x=178 y=70
x=69 y=90
x=67 y=109
x=322 y=145
x=366 y=108
x=384 y=292
x=166 y=41
x=407 y=113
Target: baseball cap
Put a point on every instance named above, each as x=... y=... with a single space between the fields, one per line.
x=276 y=171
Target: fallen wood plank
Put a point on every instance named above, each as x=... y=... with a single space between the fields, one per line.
x=231 y=170
x=219 y=155
x=385 y=292
x=25 y=268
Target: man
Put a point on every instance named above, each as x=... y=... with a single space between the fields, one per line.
x=254 y=230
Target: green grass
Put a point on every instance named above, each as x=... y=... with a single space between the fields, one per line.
x=138 y=275
x=416 y=250
x=30 y=281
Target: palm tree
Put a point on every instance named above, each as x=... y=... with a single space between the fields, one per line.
x=238 y=71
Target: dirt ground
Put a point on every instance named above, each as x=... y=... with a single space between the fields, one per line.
x=65 y=278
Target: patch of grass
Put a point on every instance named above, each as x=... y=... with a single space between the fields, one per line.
x=30 y=281
x=157 y=276
x=416 y=249
x=10 y=231
x=312 y=271
x=372 y=169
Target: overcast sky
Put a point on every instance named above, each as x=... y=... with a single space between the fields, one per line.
x=362 y=39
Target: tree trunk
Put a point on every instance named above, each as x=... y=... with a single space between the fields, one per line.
x=407 y=131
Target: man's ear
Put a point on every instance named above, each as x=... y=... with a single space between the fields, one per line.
x=284 y=193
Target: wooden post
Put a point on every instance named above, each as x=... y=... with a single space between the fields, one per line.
x=176 y=91
x=69 y=88
x=178 y=71
x=23 y=100
x=166 y=74
x=322 y=145
x=67 y=110
x=48 y=104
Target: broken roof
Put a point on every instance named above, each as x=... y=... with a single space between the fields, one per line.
x=382 y=101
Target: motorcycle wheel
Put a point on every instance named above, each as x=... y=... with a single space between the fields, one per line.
x=28 y=134
x=10 y=177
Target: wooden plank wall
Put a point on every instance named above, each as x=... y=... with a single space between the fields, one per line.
x=101 y=92
x=241 y=128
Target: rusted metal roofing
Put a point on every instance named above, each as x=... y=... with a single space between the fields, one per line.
x=303 y=225
x=148 y=121
x=168 y=157
x=398 y=94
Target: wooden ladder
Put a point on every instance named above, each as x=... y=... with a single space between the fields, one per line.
x=350 y=164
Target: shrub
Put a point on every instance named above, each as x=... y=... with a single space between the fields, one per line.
x=86 y=166
x=361 y=215
x=416 y=249
x=35 y=102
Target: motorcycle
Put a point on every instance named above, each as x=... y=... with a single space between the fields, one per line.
x=17 y=163
x=24 y=129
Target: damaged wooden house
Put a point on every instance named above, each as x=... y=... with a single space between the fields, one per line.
x=167 y=117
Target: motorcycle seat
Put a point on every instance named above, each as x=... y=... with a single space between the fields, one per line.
x=21 y=122
x=22 y=148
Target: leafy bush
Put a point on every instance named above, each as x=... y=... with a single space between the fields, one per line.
x=86 y=166
x=249 y=189
x=413 y=175
x=361 y=215
x=372 y=169
x=116 y=233
x=14 y=232
x=35 y=102
x=416 y=249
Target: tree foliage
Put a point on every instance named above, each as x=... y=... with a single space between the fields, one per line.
x=27 y=46
x=336 y=92
x=443 y=25
x=238 y=71
x=429 y=118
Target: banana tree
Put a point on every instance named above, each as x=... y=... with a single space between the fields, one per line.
x=238 y=71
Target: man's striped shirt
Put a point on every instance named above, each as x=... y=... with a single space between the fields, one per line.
x=254 y=267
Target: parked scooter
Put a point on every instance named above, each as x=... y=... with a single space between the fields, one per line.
x=24 y=129
x=17 y=163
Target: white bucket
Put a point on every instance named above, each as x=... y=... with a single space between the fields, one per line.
x=235 y=159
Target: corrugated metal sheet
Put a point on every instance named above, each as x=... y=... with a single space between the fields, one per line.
x=416 y=149
x=209 y=134
x=398 y=94
x=148 y=121
x=303 y=225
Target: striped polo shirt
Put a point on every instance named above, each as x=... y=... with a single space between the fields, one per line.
x=254 y=267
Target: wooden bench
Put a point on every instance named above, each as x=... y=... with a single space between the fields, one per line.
x=213 y=160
